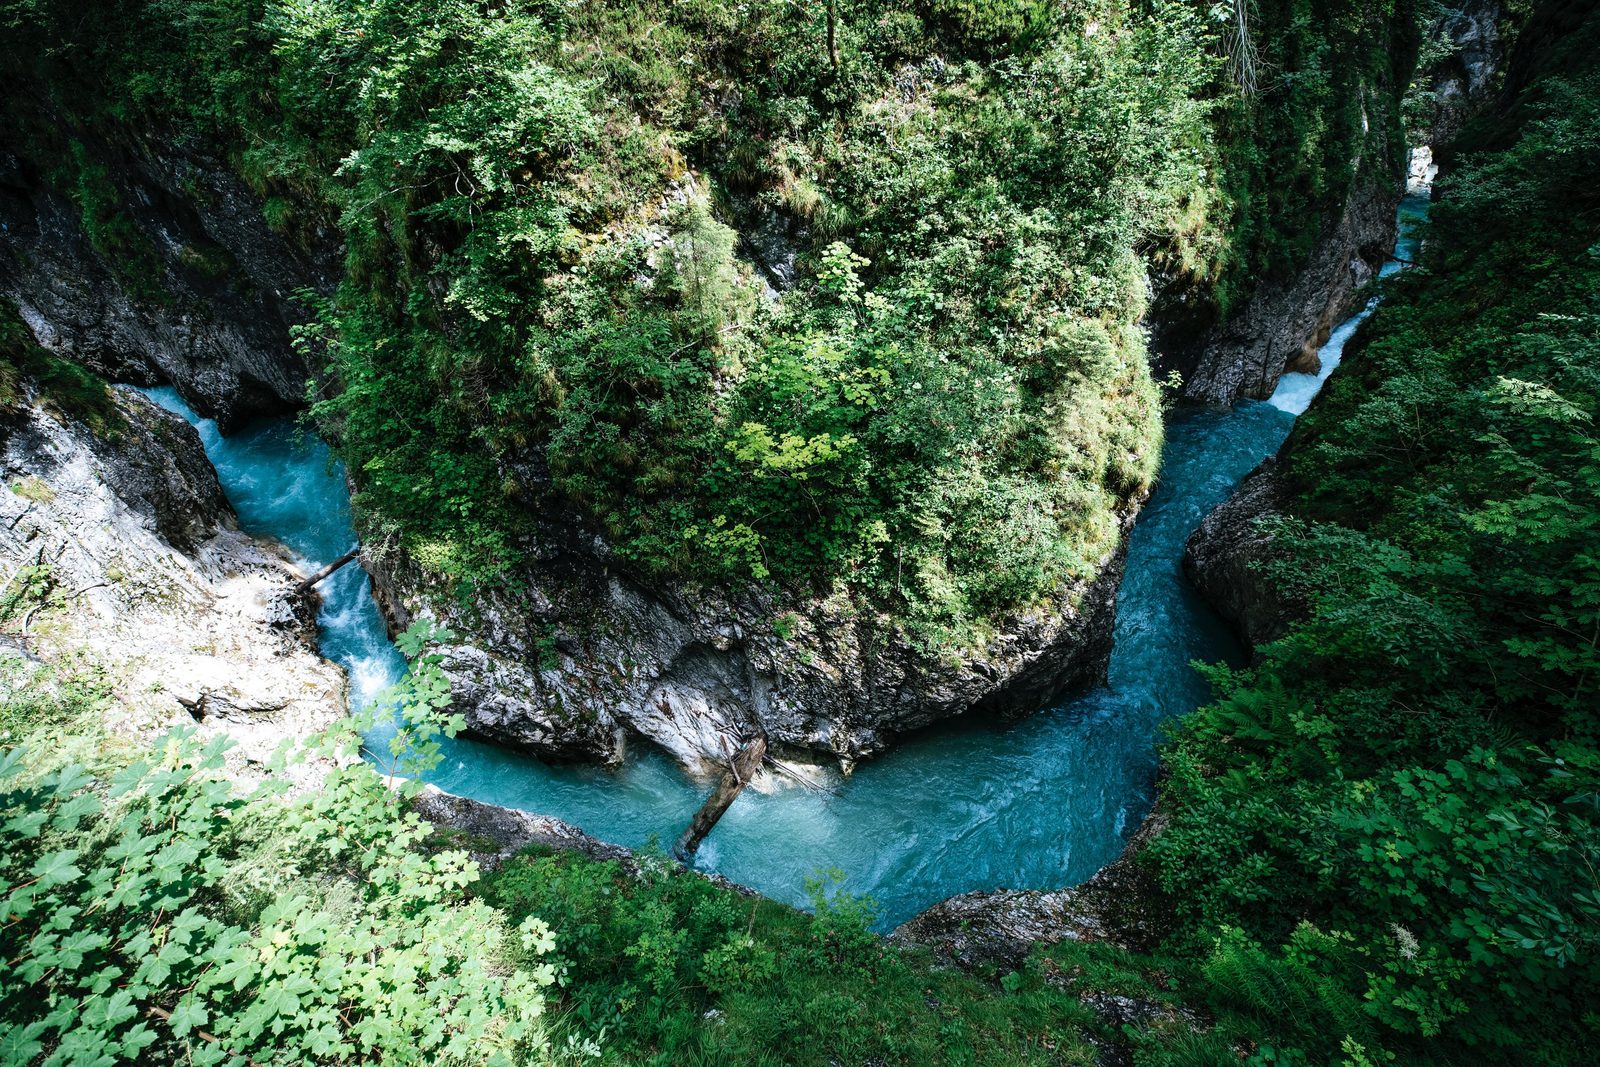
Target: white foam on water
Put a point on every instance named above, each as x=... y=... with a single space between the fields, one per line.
x=1296 y=391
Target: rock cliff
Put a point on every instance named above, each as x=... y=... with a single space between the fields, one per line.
x=1223 y=557
x=185 y=282
x=1287 y=319
x=121 y=545
x=1467 y=38
x=575 y=656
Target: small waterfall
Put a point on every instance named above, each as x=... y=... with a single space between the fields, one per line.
x=1296 y=391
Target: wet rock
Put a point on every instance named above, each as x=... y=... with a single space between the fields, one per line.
x=492 y=835
x=772 y=240
x=142 y=567
x=200 y=295
x=1000 y=929
x=1224 y=557
x=576 y=656
x=770 y=237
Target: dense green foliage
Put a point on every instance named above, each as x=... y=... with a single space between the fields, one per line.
x=548 y=310
x=1389 y=824
x=678 y=970
x=1382 y=843
x=1322 y=119
x=155 y=908
x=156 y=911
x=674 y=969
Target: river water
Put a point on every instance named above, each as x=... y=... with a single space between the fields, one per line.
x=1040 y=804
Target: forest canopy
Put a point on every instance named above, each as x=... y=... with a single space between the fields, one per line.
x=830 y=295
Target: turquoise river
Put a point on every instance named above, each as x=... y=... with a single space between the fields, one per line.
x=1040 y=804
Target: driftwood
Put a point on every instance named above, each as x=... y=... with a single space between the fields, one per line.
x=330 y=568
x=741 y=769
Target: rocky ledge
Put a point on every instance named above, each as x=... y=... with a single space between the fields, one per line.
x=1000 y=929
x=493 y=834
x=117 y=541
x=580 y=656
x=1225 y=557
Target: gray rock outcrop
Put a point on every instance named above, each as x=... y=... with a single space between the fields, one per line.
x=581 y=656
x=493 y=834
x=1224 y=558
x=1001 y=928
x=196 y=290
x=1468 y=35
x=131 y=554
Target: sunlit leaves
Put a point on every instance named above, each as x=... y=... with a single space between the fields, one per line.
x=172 y=916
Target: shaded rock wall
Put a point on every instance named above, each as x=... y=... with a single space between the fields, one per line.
x=198 y=293
x=1287 y=319
x=1225 y=555
x=1469 y=32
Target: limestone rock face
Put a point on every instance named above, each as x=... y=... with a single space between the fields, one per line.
x=201 y=297
x=1284 y=323
x=140 y=564
x=1223 y=559
x=1470 y=34
x=582 y=656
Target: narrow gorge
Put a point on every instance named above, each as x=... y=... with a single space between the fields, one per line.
x=1037 y=804
x=1125 y=473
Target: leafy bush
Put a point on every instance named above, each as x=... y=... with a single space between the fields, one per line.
x=1413 y=769
x=676 y=969
x=162 y=915
x=157 y=910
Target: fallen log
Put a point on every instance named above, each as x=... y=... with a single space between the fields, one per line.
x=741 y=769
x=329 y=569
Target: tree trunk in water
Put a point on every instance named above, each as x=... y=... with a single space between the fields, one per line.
x=330 y=568
x=743 y=767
